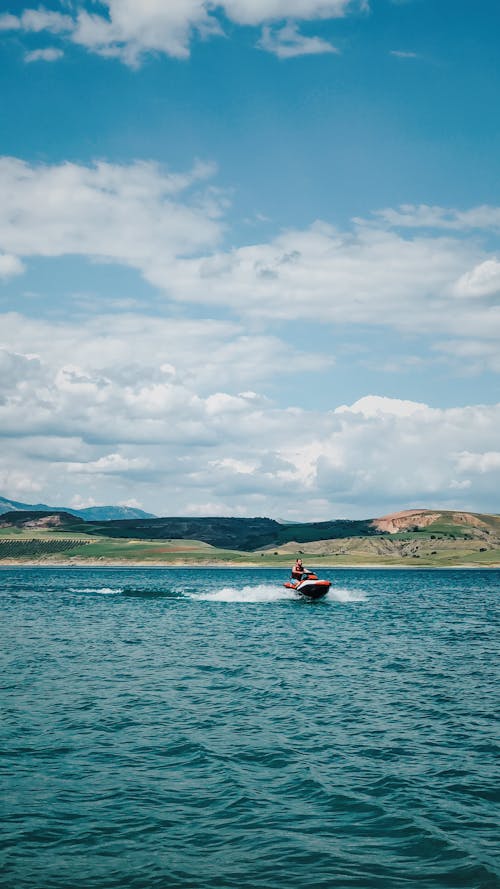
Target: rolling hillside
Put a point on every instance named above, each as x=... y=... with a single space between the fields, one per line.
x=411 y=537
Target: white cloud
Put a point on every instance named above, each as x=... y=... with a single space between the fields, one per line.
x=287 y=42
x=135 y=213
x=50 y=54
x=132 y=503
x=379 y=406
x=79 y=502
x=36 y=20
x=9 y=22
x=130 y=29
x=406 y=456
x=110 y=464
x=243 y=467
x=10 y=266
x=472 y=356
x=424 y=216
x=479 y=463
x=16 y=369
x=482 y=280
x=254 y=12
x=404 y=54
x=18 y=483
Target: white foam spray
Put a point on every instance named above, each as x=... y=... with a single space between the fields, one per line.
x=260 y=593
x=263 y=593
x=339 y=594
x=101 y=591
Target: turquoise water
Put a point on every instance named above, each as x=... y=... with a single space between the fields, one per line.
x=203 y=728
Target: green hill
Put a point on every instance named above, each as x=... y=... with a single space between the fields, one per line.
x=228 y=533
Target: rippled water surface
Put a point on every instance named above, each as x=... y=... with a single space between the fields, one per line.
x=204 y=729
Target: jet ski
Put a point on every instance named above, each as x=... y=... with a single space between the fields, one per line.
x=309 y=586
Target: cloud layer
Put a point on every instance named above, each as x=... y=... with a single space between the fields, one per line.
x=399 y=269
x=128 y=30
x=173 y=410
x=365 y=276
x=163 y=411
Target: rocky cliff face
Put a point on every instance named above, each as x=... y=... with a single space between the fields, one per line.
x=412 y=519
x=406 y=520
x=37 y=519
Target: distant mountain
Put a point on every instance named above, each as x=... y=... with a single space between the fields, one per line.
x=110 y=513
x=90 y=514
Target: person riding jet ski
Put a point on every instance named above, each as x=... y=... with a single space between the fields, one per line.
x=306 y=582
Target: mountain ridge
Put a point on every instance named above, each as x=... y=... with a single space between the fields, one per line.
x=89 y=513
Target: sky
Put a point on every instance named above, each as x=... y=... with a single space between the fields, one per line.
x=249 y=255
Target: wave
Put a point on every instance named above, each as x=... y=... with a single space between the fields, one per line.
x=101 y=591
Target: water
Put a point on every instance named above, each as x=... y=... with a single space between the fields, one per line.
x=204 y=729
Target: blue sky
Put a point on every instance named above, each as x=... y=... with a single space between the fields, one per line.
x=248 y=248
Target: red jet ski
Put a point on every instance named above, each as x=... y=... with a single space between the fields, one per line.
x=309 y=586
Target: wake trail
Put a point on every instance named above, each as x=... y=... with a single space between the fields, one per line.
x=259 y=594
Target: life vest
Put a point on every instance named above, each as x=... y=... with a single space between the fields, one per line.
x=297 y=572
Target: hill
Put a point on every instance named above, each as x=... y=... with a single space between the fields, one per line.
x=234 y=533
x=228 y=533
x=412 y=537
x=96 y=513
x=41 y=519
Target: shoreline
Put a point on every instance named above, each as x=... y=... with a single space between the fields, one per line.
x=108 y=563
